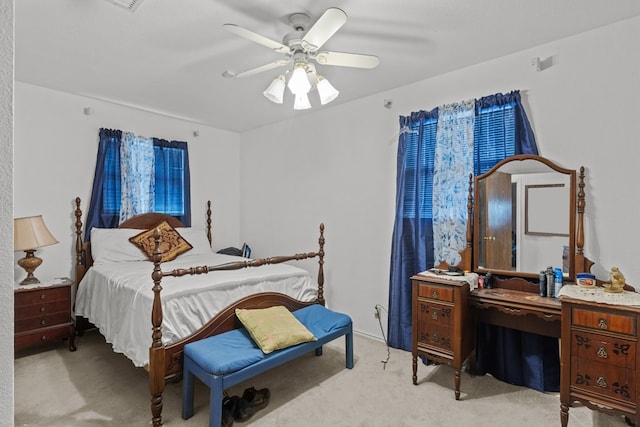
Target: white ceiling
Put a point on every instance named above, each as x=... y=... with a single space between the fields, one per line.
x=169 y=55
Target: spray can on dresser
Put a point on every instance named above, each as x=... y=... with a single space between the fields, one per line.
x=542 y=281
x=550 y=281
x=558 y=282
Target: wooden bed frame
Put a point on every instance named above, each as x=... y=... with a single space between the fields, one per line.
x=165 y=361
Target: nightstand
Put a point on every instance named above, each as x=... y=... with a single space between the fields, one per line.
x=43 y=313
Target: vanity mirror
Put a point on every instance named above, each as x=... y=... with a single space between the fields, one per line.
x=525 y=211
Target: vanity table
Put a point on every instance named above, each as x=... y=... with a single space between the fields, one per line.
x=528 y=214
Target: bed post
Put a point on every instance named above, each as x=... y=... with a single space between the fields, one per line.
x=157 y=350
x=80 y=265
x=209 y=222
x=320 y=265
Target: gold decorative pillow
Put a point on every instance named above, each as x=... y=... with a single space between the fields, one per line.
x=172 y=243
x=274 y=328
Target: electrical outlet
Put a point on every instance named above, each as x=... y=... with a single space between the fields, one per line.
x=376 y=314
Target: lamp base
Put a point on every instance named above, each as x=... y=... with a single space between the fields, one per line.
x=30 y=262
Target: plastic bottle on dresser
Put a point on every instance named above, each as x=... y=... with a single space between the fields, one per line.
x=558 y=282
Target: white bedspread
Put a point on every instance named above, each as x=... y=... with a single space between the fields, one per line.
x=117 y=298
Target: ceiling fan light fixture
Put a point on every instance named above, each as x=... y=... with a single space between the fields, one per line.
x=326 y=91
x=275 y=91
x=298 y=82
x=301 y=102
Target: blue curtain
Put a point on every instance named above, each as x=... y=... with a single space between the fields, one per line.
x=412 y=245
x=106 y=183
x=172 y=176
x=501 y=129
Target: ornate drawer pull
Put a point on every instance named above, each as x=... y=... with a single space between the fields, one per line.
x=602 y=352
x=434 y=315
x=602 y=324
x=434 y=338
x=601 y=382
x=434 y=294
x=43 y=338
x=42 y=296
x=42 y=309
x=43 y=322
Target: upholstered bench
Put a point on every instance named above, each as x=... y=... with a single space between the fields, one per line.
x=224 y=360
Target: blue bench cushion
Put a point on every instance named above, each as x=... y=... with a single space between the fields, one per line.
x=233 y=350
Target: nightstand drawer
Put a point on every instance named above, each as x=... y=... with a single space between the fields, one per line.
x=42 y=295
x=42 y=336
x=437 y=336
x=603 y=321
x=28 y=311
x=440 y=293
x=41 y=321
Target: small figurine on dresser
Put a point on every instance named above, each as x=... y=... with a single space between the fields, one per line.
x=617 y=281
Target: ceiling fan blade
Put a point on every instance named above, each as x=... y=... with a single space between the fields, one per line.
x=257 y=38
x=326 y=26
x=343 y=59
x=260 y=69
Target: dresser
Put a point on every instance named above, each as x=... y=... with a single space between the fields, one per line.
x=442 y=328
x=599 y=357
x=43 y=314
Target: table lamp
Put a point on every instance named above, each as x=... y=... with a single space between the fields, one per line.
x=29 y=234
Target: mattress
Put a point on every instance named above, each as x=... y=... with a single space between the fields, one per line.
x=117 y=297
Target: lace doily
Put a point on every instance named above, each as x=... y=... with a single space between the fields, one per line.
x=597 y=294
x=470 y=278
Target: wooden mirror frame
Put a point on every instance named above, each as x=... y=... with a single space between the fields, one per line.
x=577 y=261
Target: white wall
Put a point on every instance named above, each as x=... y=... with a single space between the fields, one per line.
x=337 y=165
x=55 y=153
x=6 y=207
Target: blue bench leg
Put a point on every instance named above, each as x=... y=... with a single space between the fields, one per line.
x=348 y=341
x=187 y=393
x=215 y=402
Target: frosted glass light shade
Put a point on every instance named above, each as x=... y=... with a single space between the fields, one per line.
x=326 y=91
x=299 y=83
x=301 y=102
x=275 y=91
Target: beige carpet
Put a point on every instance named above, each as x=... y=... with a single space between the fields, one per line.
x=96 y=387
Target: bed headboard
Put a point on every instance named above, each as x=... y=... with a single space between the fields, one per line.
x=84 y=260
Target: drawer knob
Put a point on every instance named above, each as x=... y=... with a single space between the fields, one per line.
x=42 y=296
x=42 y=309
x=43 y=338
x=435 y=338
x=43 y=322
x=602 y=324
x=601 y=382
x=434 y=315
x=434 y=294
x=602 y=352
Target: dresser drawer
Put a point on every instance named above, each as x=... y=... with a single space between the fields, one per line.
x=603 y=379
x=41 y=336
x=604 y=321
x=435 y=292
x=601 y=348
x=430 y=313
x=436 y=336
x=43 y=295
x=42 y=321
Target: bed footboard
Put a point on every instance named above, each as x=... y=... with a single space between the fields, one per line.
x=166 y=361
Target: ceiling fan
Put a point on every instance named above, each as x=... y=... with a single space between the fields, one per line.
x=301 y=48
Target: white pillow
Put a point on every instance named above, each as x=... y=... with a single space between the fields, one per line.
x=113 y=245
x=197 y=238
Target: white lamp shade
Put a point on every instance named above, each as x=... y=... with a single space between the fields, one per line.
x=275 y=91
x=301 y=102
x=299 y=83
x=31 y=233
x=326 y=91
